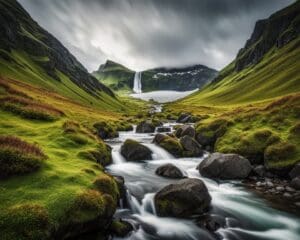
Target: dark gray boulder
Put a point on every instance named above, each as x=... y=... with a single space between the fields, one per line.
x=134 y=151
x=185 y=130
x=225 y=166
x=163 y=129
x=183 y=199
x=191 y=147
x=169 y=171
x=184 y=118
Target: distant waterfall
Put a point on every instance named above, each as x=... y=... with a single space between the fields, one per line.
x=137 y=83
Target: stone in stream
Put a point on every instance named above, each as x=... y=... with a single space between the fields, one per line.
x=184 y=118
x=134 y=151
x=170 y=171
x=183 y=199
x=163 y=129
x=170 y=144
x=185 y=130
x=191 y=147
x=225 y=166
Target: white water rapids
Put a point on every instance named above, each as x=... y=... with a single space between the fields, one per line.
x=245 y=216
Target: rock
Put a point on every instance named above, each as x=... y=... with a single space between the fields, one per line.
x=185 y=130
x=120 y=228
x=287 y=195
x=170 y=171
x=295 y=172
x=182 y=199
x=192 y=147
x=134 y=151
x=145 y=127
x=259 y=170
x=184 y=118
x=105 y=131
x=159 y=138
x=121 y=186
x=295 y=183
x=163 y=129
x=289 y=189
x=225 y=166
x=269 y=184
x=170 y=144
x=280 y=188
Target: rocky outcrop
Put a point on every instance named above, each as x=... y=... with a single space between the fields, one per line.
x=182 y=199
x=225 y=166
x=169 y=171
x=278 y=30
x=134 y=151
x=295 y=172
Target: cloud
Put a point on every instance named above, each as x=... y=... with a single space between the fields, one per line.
x=143 y=34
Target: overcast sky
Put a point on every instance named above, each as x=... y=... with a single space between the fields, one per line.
x=143 y=34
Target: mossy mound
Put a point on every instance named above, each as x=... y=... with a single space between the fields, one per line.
x=101 y=155
x=25 y=222
x=172 y=145
x=18 y=156
x=107 y=185
x=105 y=130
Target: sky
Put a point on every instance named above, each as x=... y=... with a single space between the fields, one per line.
x=144 y=34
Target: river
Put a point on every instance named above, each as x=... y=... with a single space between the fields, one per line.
x=245 y=215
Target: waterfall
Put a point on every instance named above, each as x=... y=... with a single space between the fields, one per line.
x=137 y=83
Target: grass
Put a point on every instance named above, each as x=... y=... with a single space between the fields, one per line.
x=261 y=104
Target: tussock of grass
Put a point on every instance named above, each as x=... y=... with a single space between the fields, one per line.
x=18 y=156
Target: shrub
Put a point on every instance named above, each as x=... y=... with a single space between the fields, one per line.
x=25 y=222
x=18 y=156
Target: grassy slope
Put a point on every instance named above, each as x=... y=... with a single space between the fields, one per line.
x=117 y=77
x=65 y=173
x=243 y=98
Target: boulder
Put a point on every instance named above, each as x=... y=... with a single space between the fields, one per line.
x=121 y=186
x=191 y=146
x=295 y=172
x=134 y=151
x=159 y=138
x=295 y=183
x=259 y=170
x=185 y=130
x=120 y=228
x=172 y=145
x=183 y=199
x=225 y=166
x=163 y=129
x=145 y=127
x=169 y=171
x=184 y=118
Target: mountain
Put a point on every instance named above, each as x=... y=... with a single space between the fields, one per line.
x=118 y=77
x=252 y=106
x=115 y=76
x=30 y=53
x=178 y=79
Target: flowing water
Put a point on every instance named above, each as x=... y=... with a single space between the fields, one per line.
x=137 y=83
x=245 y=216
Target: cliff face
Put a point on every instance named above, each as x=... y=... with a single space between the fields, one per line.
x=278 y=30
x=18 y=31
x=178 y=79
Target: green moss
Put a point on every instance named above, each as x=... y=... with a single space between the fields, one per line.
x=25 y=222
x=279 y=152
x=120 y=228
x=172 y=145
x=107 y=184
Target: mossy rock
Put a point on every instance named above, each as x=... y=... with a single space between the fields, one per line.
x=172 y=145
x=25 y=222
x=107 y=184
x=135 y=151
x=120 y=228
x=208 y=133
x=105 y=131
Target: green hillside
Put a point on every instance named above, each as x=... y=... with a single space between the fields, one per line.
x=252 y=107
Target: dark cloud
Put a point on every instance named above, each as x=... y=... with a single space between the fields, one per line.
x=143 y=34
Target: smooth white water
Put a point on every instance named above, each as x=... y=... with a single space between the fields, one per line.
x=162 y=96
x=137 y=83
x=246 y=216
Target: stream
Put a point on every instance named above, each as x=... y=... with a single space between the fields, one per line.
x=245 y=215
